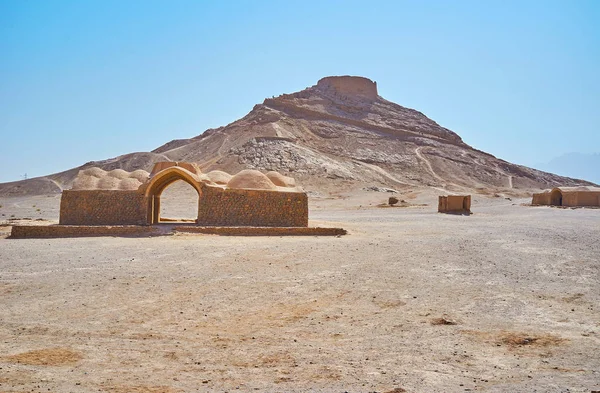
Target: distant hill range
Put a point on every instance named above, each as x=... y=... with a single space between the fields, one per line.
x=338 y=134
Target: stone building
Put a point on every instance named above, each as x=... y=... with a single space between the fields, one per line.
x=568 y=196
x=249 y=198
x=454 y=204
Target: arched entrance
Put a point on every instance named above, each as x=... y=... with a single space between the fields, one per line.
x=178 y=203
x=160 y=182
x=556 y=197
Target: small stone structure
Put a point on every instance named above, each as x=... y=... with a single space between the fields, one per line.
x=568 y=196
x=249 y=198
x=455 y=204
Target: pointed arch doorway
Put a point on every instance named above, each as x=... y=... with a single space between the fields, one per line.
x=178 y=203
x=177 y=177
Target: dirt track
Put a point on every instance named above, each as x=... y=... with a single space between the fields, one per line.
x=506 y=300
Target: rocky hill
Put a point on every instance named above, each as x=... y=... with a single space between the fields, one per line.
x=338 y=134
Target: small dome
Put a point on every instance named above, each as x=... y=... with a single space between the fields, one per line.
x=129 y=184
x=140 y=174
x=108 y=183
x=251 y=179
x=118 y=174
x=85 y=182
x=280 y=180
x=93 y=171
x=219 y=177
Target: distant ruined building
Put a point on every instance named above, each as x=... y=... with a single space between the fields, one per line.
x=569 y=196
x=454 y=204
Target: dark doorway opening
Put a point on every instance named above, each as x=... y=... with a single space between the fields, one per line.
x=556 y=198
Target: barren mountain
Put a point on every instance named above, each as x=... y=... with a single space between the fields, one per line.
x=338 y=134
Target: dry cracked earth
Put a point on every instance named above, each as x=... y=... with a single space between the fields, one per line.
x=504 y=300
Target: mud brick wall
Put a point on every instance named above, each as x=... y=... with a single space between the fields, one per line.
x=570 y=199
x=263 y=231
x=258 y=208
x=103 y=207
x=581 y=198
x=56 y=231
x=541 y=199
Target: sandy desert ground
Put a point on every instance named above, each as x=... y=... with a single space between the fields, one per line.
x=505 y=300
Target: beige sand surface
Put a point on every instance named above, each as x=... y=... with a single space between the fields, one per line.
x=506 y=300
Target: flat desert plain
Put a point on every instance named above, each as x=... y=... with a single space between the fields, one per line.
x=504 y=300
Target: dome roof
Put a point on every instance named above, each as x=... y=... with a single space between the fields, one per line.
x=118 y=179
x=251 y=179
x=93 y=171
x=219 y=177
x=118 y=174
x=280 y=180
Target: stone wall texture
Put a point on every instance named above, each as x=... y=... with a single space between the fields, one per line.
x=581 y=198
x=257 y=208
x=56 y=231
x=103 y=207
x=263 y=231
x=542 y=198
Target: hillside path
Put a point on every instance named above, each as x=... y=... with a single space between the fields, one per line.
x=57 y=184
x=426 y=161
x=219 y=155
x=383 y=172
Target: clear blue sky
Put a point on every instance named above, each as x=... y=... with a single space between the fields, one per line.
x=90 y=80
